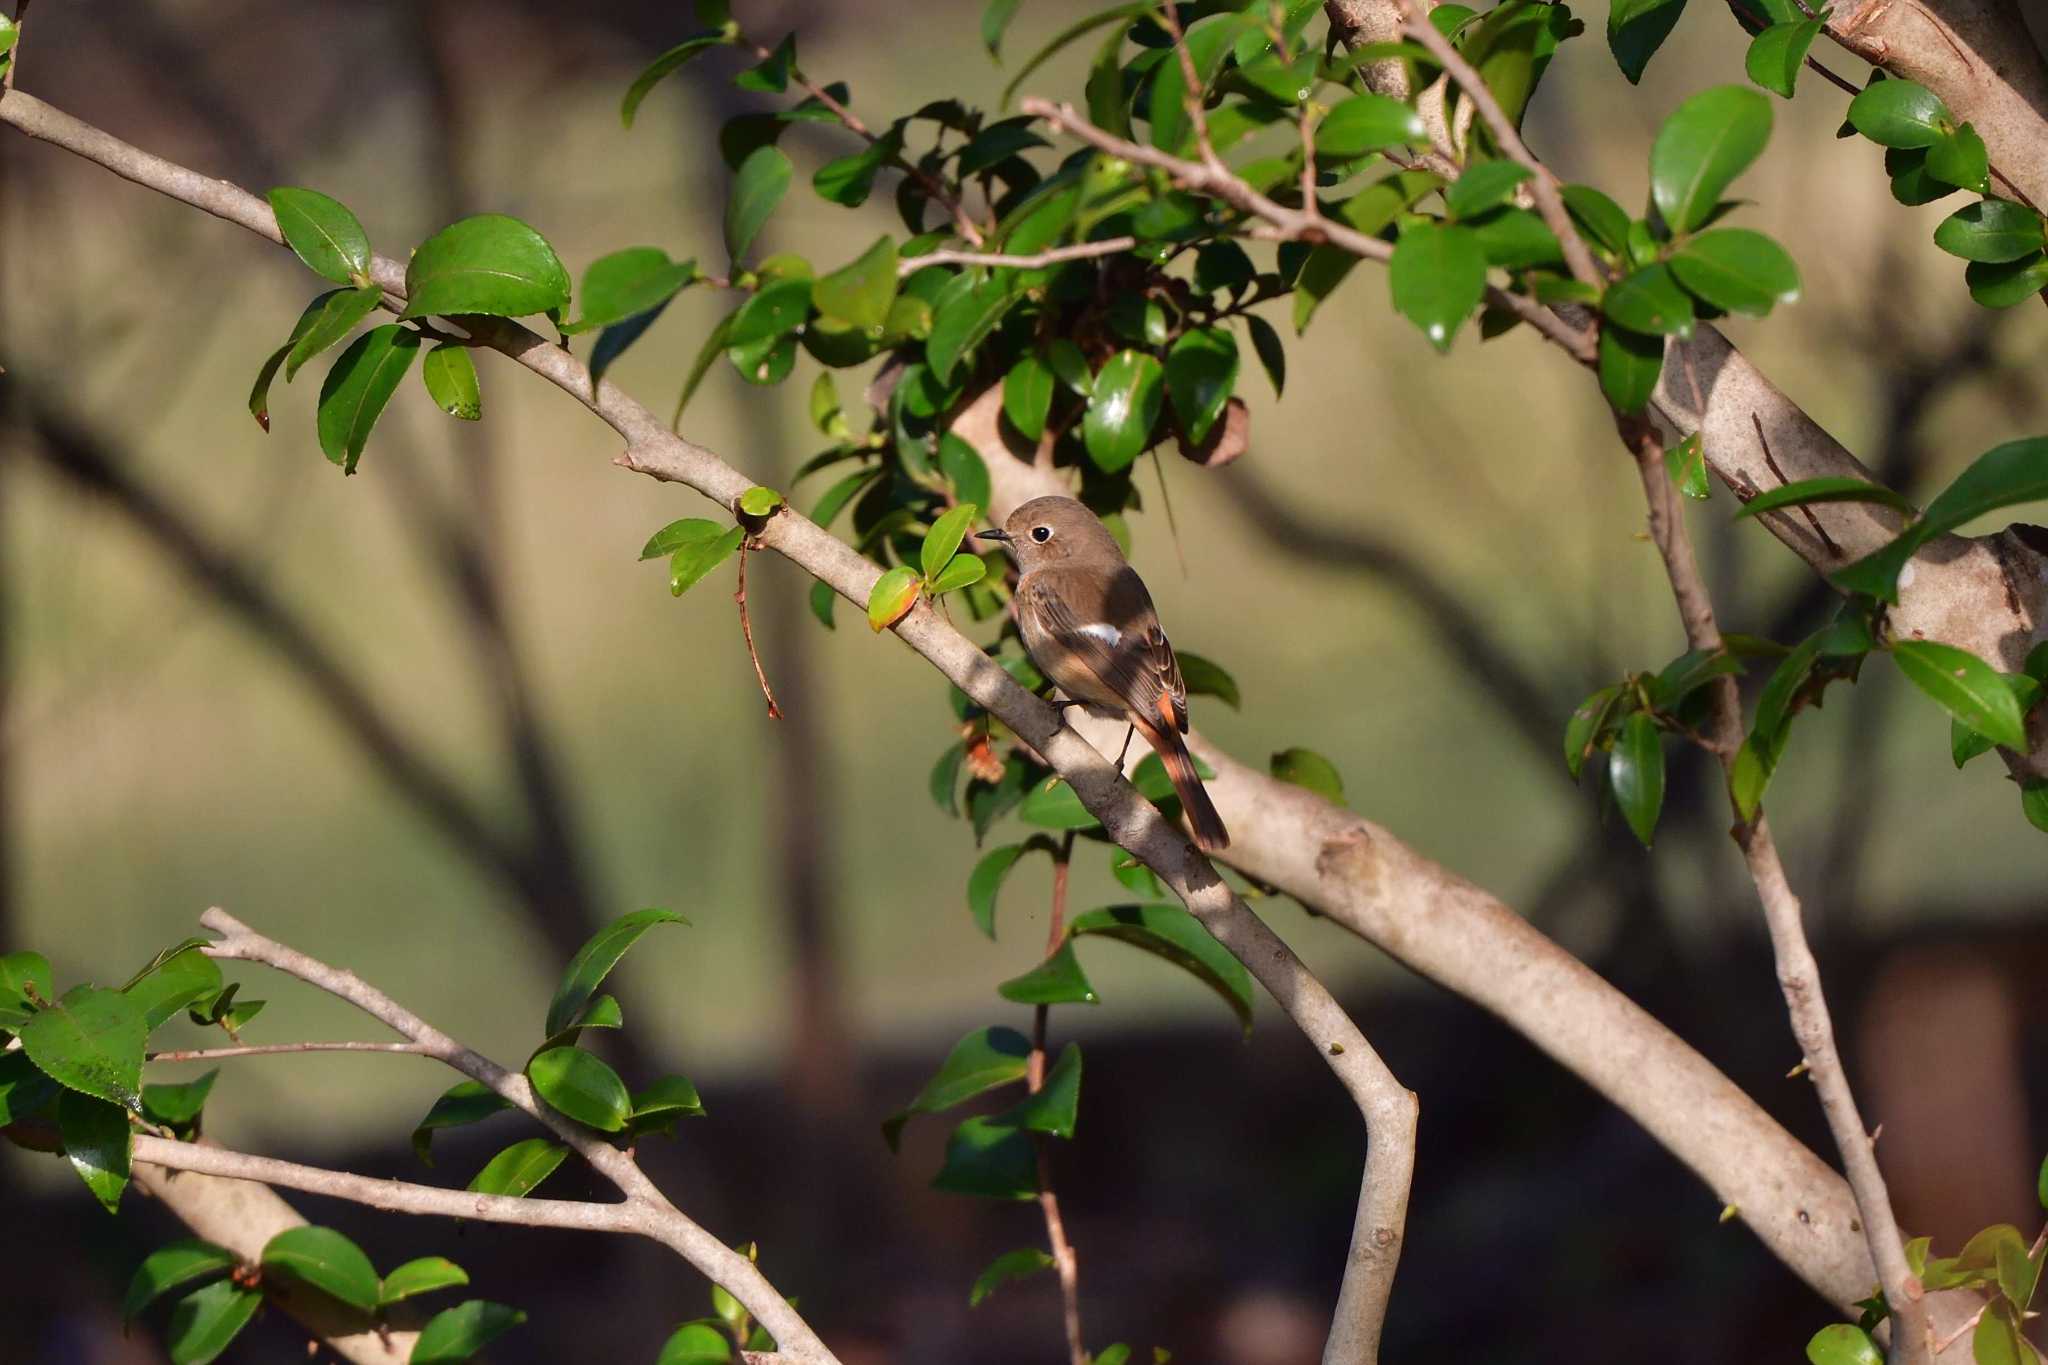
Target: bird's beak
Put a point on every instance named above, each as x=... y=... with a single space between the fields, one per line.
x=997 y=534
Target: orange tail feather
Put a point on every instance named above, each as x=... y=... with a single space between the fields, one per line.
x=1210 y=835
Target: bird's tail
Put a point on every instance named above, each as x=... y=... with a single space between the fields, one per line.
x=1210 y=835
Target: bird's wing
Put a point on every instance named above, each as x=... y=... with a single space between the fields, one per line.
x=1125 y=649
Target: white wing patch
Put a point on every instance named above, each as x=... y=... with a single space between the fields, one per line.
x=1103 y=631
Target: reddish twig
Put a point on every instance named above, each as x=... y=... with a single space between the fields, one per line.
x=747 y=630
x=1065 y=1263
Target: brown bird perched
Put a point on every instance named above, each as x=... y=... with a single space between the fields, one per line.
x=1089 y=626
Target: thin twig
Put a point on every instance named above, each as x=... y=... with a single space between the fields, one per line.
x=1080 y=251
x=215 y=1054
x=747 y=630
x=1065 y=1263
x=1798 y=972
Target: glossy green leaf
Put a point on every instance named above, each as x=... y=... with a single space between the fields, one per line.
x=25 y=983
x=1635 y=773
x=1582 y=731
x=991 y=1159
x=23 y=1089
x=961 y=571
x=519 y=1168
x=1367 y=123
x=1900 y=113
x=860 y=294
x=982 y=1061
x=1201 y=373
x=665 y=65
x=1636 y=29
x=95 y=1136
x=362 y=381
x=458 y=1333
x=943 y=540
x=964 y=316
x=1830 y=489
x=1079 y=28
x=173 y=980
x=1966 y=687
x=758 y=186
x=688 y=565
x=1709 y=140
x=659 y=1107
x=207 y=1321
x=2007 y=284
x=771 y=76
x=1992 y=230
x=986 y=880
x=450 y=377
x=1843 y=1343
x=995 y=18
x=1688 y=673
x=171 y=1267
x=893 y=595
x=1651 y=302
x=322 y=233
x=90 y=1041
x=1777 y=54
x=421 y=1276
x=713 y=346
x=1737 y=271
x=1686 y=463
x=328 y=1261
x=1027 y=394
x=1207 y=41
x=1307 y=768
x=1438 y=276
x=696 y=1343
x=463 y=1103
x=628 y=283
x=2041 y=1184
x=2014 y=472
x=1058 y=980
x=1960 y=158
x=1483 y=187
x=1054 y=1108
x=177 y=1106
x=582 y=1086
x=339 y=312
x=1272 y=352
x=595 y=960
x=1997 y=1340
x=489 y=264
x=1598 y=216
x=1629 y=365
x=1965 y=743
x=1125 y=403
x=1168 y=931
x=678 y=534
x=996 y=143
x=1206 y=678
x=780 y=307
x=1011 y=1265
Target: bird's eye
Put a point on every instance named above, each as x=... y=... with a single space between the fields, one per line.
x=1041 y=534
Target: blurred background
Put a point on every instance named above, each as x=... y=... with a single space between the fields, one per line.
x=435 y=723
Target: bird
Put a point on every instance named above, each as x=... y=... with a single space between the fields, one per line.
x=1088 y=623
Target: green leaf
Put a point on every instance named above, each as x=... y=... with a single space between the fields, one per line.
x=490 y=264
x=988 y=1158
x=659 y=1107
x=90 y=1041
x=1027 y=394
x=962 y=571
x=1997 y=1340
x=177 y=1106
x=1080 y=27
x=1992 y=230
x=594 y=961
x=1053 y=1109
x=995 y=18
x=713 y=345
x=174 y=979
x=1205 y=678
x=1207 y=40
x=1650 y=301
x=1834 y=488
x=1582 y=731
x=463 y=1103
x=23 y=1089
x=171 y=1266
x=679 y=534
x=696 y=1343
x=860 y=294
x=1960 y=159
x=771 y=76
x=1635 y=773
x=779 y=308
x=964 y=315
x=322 y=233
x=354 y=394
x=338 y=313
x=758 y=186
x=206 y=1322
x=2007 y=284
x=986 y=880
x=1708 y=141
x=25 y=982
x=2014 y=472
x=1271 y=351
x=1686 y=463
x=328 y=1261
x=1168 y=931
x=460 y=1332
x=1307 y=768
x=1367 y=123
x=1965 y=744
x=759 y=502
x=1738 y=271
x=519 y=1168
x=822 y=599
x=1688 y=673
x=1011 y=1265
x=1437 y=276
x=996 y=143
x=421 y=1276
x=665 y=65
x=450 y=377
x=943 y=540
x=1122 y=409
x=982 y=1061
x=1598 y=216
x=1777 y=54
x=1058 y=980
x=627 y=284
x=1966 y=687
x=1629 y=365
x=1483 y=187
x=1636 y=29
x=1843 y=1343
x=1898 y=113
x=2041 y=1184
x=580 y=1085
x=1201 y=372
x=95 y=1135
x=687 y=566
x=892 y=597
